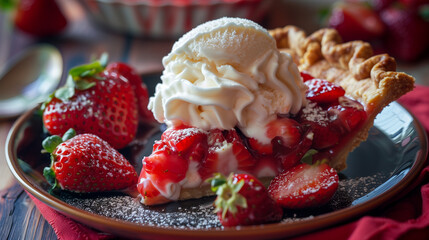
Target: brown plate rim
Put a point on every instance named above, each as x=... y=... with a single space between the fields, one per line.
x=274 y=230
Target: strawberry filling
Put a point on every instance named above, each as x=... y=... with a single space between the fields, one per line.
x=187 y=156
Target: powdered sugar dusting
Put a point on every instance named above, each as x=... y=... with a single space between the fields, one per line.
x=184 y=214
x=314 y=113
x=198 y=214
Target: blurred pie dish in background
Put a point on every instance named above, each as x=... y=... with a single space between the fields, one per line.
x=168 y=18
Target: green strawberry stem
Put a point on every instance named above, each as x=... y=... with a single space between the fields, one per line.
x=228 y=197
x=424 y=12
x=308 y=156
x=69 y=134
x=51 y=142
x=7 y=4
x=77 y=79
x=49 y=174
x=49 y=145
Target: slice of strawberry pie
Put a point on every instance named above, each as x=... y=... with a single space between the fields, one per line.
x=237 y=98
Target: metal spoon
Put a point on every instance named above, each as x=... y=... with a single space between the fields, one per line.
x=29 y=79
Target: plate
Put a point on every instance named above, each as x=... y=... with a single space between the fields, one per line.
x=380 y=169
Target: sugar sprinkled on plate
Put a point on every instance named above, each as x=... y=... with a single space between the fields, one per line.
x=198 y=214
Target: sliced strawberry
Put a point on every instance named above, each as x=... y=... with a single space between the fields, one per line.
x=306 y=76
x=290 y=157
x=304 y=186
x=149 y=193
x=184 y=138
x=215 y=138
x=244 y=159
x=243 y=200
x=165 y=164
x=285 y=130
x=347 y=115
x=324 y=135
x=210 y=164
x=264 y=149
x=267 y=165
x=198 y=152
x=356 y=21
x=322 y=91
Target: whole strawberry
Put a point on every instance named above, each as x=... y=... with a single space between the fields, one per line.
x=243 y=200
x=408 y=33
x=94 y=101
x=86 y=163
x=355 y=21
x=304 y=186
x=39 y=17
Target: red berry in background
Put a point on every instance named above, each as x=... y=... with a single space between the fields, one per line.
x=407 y=33
x=356 y=21
x=39 y=17
x=414 y=4
x=379 y=5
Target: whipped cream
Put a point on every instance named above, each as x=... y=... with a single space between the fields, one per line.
x=227 y=73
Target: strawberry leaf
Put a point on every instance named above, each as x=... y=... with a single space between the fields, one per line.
x=51 y=142
x=7 y=4
x=91 y=69
x=104 y=58
x=86 y=70
x=64 y=93
x=49 y=174
x=76 y=80
x=228 y=196
x=216 y=181
x=424 y=12
x=47 y=101
x=308 y=156
x=82 y=84
x=69 y=134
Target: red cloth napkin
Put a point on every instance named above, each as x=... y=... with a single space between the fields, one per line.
x=407 y=218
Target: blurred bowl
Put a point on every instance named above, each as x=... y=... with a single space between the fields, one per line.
x=168 y=18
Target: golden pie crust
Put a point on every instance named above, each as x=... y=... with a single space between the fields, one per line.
x=372 y=80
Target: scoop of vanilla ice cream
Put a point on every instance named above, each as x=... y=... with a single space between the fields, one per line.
x=227 y=73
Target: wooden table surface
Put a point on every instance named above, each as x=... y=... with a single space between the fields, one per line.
x=19 y=218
